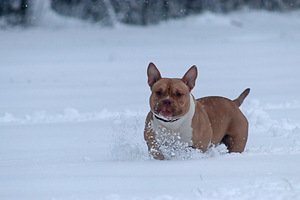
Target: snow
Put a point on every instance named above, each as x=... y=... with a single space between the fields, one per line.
x=74 y=99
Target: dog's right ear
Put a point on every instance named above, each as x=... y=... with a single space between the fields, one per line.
x=153 y=74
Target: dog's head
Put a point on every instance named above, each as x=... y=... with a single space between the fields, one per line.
x=170 y=98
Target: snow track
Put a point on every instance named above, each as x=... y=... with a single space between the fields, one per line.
x=127 y=130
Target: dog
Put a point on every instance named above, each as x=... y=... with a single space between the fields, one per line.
x=198 y=123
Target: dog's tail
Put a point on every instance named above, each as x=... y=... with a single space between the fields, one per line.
x=241 y=98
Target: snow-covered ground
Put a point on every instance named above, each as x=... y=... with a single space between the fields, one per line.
x=74 y=98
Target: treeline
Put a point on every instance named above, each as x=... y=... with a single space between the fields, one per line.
x=137 y=12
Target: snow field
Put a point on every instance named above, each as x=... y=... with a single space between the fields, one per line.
x=74 y=101
x=59 y=160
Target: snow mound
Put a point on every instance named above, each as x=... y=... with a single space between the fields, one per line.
x=67 y=115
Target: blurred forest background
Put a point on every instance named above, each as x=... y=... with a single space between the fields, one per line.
x=135 y=12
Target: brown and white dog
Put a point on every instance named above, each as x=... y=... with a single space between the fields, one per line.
x=198 y=123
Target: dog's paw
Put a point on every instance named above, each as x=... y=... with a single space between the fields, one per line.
x=157 y=155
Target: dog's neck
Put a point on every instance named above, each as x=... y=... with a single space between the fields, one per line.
x=165 y=120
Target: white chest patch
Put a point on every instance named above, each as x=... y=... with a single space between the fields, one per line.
x=168 y=133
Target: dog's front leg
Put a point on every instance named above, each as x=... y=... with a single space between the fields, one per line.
x=153 y=146
x=156 y=153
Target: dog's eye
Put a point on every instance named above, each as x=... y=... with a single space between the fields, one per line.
x=158 y=93
x=178 y=94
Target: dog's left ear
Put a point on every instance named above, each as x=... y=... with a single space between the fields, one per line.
x=190 y=77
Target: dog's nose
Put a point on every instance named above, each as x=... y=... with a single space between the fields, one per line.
x=167 y=102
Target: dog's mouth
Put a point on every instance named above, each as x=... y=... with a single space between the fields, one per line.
x=167 y=112
x=166 y=115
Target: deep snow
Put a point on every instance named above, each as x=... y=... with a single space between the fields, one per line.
x=74 y=98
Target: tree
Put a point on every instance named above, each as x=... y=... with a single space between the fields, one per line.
x=138 y=12
x=14 y=11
